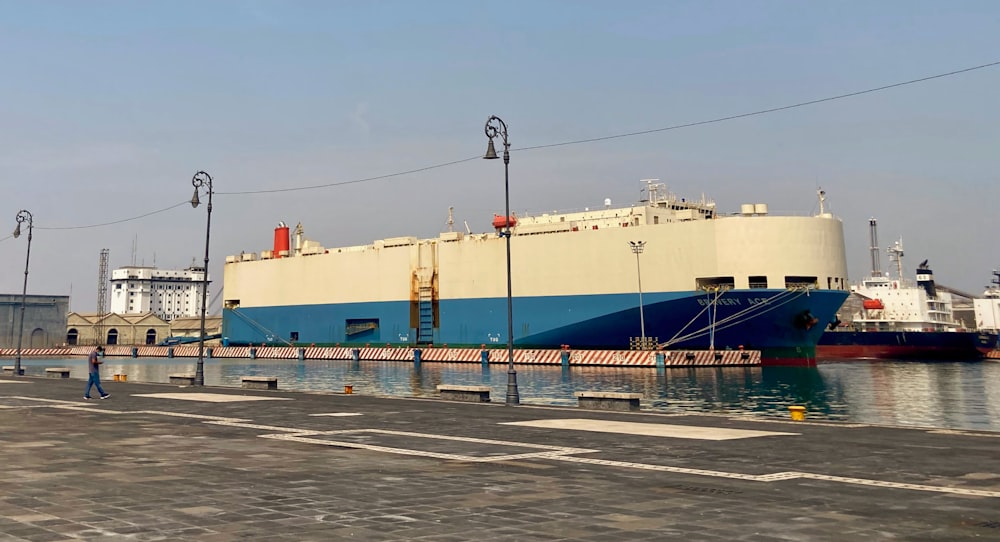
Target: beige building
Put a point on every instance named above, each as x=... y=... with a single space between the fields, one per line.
x=134 y=329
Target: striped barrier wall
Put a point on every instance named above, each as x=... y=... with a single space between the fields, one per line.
x=274 y=352
x=385 y=354
x=231 y=352
x=627 y=358
x=453 y=354
x=25 y=352
x=708 y=358
x=993 y=354
x=331 y=352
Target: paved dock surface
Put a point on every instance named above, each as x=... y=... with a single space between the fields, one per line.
x=160 y=462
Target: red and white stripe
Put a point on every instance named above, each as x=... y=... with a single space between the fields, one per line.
x=629 y=358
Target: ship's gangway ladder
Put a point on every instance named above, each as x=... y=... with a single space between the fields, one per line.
x=425 y=310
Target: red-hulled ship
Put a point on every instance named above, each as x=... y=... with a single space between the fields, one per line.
x=900 y=319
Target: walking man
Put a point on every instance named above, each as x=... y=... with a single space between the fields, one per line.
x=94 y=364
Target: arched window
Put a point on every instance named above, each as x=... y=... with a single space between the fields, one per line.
x=112 y=336
x=72 y=336
x=38 y=338
x=150 y=336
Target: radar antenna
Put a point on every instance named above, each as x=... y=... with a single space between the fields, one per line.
x=651 y=190
x=896 y=255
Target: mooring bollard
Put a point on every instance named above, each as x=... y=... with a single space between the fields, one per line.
x=798 y=412
x=355 y=354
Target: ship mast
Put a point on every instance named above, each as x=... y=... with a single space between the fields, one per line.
x=873 y=234
x=896 y=255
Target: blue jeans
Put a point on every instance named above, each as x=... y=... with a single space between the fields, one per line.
x=94 y=380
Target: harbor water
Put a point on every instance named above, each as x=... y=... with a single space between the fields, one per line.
x=954 y=395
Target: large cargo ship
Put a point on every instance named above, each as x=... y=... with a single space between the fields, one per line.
x=668 y=270
x=896 y=318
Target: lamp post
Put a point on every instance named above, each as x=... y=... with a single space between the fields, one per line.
x=199 y=180
x=496 y=127
x=637 y=247
x=22 y=216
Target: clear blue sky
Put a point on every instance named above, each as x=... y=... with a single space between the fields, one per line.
x=108 y=108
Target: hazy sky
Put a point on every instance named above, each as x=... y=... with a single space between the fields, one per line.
x=107 y=109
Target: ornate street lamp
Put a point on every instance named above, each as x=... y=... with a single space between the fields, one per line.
x=22 y=216
x=200 y=180
x=637 y=247
x=496 y=127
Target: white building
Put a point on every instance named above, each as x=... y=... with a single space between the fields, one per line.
x=167 y=293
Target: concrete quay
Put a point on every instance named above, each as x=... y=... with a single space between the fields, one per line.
x=165 y=462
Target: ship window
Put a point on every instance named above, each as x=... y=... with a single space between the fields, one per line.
x=715 y=283
x=758 y=282
x=293 y=336
x=801 y=282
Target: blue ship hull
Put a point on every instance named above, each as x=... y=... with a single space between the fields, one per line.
x=784 y=324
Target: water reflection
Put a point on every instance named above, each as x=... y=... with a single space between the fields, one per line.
x=953 y=395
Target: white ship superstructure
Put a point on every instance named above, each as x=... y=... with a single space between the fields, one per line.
x=987 y=308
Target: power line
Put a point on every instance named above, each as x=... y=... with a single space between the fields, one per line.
x=151 y=213
x=355 y=181
x=560 y=144
x=762 y=111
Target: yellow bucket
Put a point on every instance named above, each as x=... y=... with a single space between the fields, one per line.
x=117 y=377
x=798 y=412
x=120 y=378
x=348 y=389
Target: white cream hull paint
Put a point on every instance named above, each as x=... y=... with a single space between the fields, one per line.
x=566 y=263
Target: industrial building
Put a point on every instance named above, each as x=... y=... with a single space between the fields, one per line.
x=44 y=320
x=167 y=293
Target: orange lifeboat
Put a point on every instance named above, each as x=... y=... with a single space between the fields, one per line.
x=873 y=304
x=499 y=222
